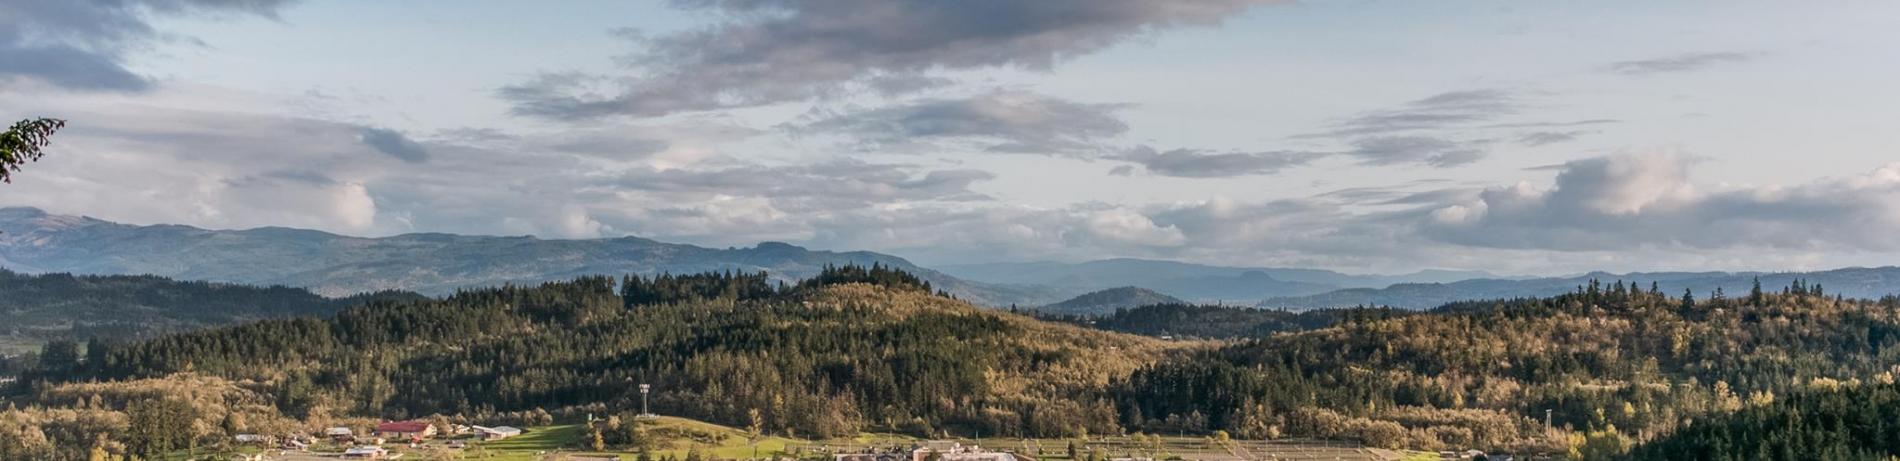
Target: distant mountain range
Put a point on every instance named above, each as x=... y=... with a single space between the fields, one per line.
x=39 y=308
x=34 y=241
x=1107 y=301
x=1856 y=282
x=1193 y=282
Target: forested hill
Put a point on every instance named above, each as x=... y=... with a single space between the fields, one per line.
x=1107 y=301
x=851 y=349
x=1832 y=420
x=39 y=308
x=1855 y=282
x=435 y=264
x=1614 y=365
x=1208 y=322
x=857 y=348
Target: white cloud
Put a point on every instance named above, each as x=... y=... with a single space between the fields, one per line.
x=1121 y=226
x=1606 y=203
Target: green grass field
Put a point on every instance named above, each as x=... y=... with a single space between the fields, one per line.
x=571 y=439
x=14 y=345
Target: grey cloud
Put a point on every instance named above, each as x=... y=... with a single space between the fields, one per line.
x=1439 y=111
x=1620 y=202
x=1575 y=123
x=1680 y=63
x=1433 y=197
x=1399 y=195
x=1393 y=150
x=83 y=45
x=897 y=85
x=1189 y=163
x=1427 y=131
x=394 y=144
x=772 y=51
x=812 y=186
x=998 y=121
x=611 y=144
x=1541 y=138
x=305 y=176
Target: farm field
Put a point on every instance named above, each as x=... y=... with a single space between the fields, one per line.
x=569 y=441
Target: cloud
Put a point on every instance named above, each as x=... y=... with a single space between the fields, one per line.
x=811 y=187
x=1435 y=131
x=773 y=51
x=1625 y=201
x=83 y=45
x=394 y=144
x=1395 y=150
x=1004 y=121
x=1541 y=138
x=1440 y=111
x=1189 y=163
x=1574 y=123
x=1689 y=62
x=1128 y=227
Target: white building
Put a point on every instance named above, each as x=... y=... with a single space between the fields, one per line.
x=366 y=452
x=496 y=433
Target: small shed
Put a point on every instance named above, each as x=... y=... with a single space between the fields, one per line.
x=339 y=433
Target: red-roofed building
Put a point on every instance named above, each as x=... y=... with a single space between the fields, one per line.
x=405 y=430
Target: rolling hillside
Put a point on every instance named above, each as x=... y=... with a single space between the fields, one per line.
x=1108 y=301
x=39 y=308
x=848 y=350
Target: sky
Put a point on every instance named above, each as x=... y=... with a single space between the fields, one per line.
x=1516 y=137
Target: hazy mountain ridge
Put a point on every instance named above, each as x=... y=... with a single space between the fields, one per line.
x=1855 y=282
x=1108 y=301
x=39 y=308
x=1196 y=282
x=429 y=263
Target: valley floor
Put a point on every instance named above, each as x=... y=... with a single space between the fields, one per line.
x=564 y=442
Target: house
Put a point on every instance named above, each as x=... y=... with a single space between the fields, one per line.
x=495 y=433
x=405 y=430
x=366 y=452
x=340 y=434
x=252 y=439
x=868 y=457
x=953 y=451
